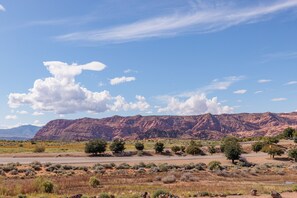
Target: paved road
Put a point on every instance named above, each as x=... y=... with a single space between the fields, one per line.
x=134 y=159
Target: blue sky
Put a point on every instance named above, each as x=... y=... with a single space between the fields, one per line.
x=72 y=59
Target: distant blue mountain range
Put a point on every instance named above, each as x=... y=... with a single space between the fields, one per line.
x=24 y=132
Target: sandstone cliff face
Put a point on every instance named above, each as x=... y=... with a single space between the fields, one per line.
x=206 y=126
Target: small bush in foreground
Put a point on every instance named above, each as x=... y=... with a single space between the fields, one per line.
x=169 y=179
x=214 y=165
x=157 y=193
x=43 y=185
x=94 y=182
x=104 y=195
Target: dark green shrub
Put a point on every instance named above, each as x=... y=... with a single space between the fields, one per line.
x=211 y=149
x=257 y=146
x=194 y=149
x=96 y=146
x=159 y=147
x=139 y=146
x=175 y=149
x=117 y=146
x=293 y=154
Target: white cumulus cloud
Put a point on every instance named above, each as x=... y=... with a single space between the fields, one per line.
x=193 y=105
x=121 y=104
x=120 y=80
x=240 y=91
x=63 y=95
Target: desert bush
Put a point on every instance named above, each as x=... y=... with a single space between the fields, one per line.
x=211 y=149
x=30 y=172
x=123 y=166
x=163 y=167
x=289 y=132
x=159 y=147
x=39 y=148
x=200 y=166
x=271 y=140
x=257 y=146
x=169 y=179
x=159 y=192
x=117 y=146
x=14 y=172
x=139 y=146
x=194 y=149
x=42 y=185
x=150 y=165
x=175 y=149
x=36 y=165
x=22 y=196
x=187 y=177
x=204 y=194
x=94 y=182
x=96 y=146
x=293 y=154
x=214 y=165
x=104 y=195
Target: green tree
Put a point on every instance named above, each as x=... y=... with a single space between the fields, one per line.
x=257 y=146
x=271 y=140
x=227 y=140
x=175 y=149
x=293 y=154
x=139 y=146
x=232 y=150
x=273 y=150
x=289 y=133
x=117 y=146
x=96 y=146
x=159 y=147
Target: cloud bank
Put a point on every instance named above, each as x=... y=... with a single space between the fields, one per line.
x=63 y=95
x=193 y=105
x=199 y=20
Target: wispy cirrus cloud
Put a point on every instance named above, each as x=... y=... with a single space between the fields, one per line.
x=2 y=8
x=120 y=80
x=264 y=81
x=280 y=56
x=199 y=20
x=291 y=82
x=278 y=99
x=240 y=91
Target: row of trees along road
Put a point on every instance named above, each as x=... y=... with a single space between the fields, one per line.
x=230 y=146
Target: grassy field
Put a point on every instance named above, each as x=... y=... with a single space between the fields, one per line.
x=7 y=147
